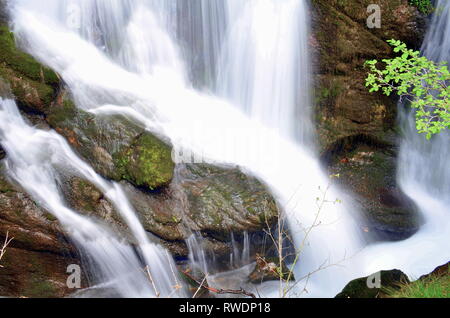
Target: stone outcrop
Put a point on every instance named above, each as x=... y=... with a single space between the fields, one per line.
x=341 y=43
x=357 y=129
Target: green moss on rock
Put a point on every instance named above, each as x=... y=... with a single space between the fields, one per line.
x=32 y=84
x=359 y=288
x=147 y=162
x=21 y=62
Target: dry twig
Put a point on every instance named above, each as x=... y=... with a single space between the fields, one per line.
x=5 y=245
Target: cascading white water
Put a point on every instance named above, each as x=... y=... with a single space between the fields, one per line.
x=128 y=58
x=34 y=159
x=265 y=65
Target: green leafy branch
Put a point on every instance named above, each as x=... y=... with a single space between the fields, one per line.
x=422 y=82
x=424 y=6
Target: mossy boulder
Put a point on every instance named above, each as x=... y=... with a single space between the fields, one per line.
x=33 y=84
x=224 y=200
x=115 y=147
x=362 y=287
x=210 y=200
x=146 y=162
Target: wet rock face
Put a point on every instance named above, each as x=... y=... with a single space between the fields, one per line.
x=224 y=199
x=214 y=202
x=368 y=171
x=36 y=261
x=360 y=288
x=341 y=43
x=357 y=129
x=3 y=12
x=2 y=153
x=114 y=146
x=210 y=200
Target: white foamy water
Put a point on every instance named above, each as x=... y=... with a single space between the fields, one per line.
x=130 y=57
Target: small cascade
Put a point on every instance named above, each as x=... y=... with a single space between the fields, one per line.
x=35 y=158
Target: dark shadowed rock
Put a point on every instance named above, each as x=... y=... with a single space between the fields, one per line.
x=357 y=129
x=368 y=170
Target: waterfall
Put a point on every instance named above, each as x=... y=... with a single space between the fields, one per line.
x=151 y=84
x=185 y=70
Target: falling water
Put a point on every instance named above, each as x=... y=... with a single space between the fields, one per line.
x=34 y=159
x=265 y=64
x=136 y=58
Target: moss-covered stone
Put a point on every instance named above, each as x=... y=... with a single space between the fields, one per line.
x=225 y=200
x=32 y=84
x=21 y=62
x=116 y=147
x=361 y=287
x=147 y=162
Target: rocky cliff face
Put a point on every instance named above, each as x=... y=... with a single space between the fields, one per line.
x=358 y=134
x=341 y=43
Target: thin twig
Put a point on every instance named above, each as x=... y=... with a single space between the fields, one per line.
x=5 y=245
x=149 y=274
